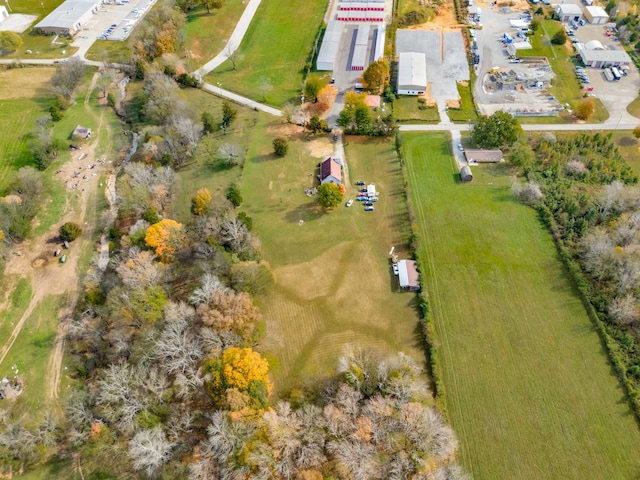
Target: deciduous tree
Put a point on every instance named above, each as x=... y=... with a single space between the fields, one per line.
x=376 y=76
x=498 y=130
x=329 y=195
x=312 y=87
x=70 y=231
x=585 y=108
x=280 y=146
x=9 y=41
x=200 y=202
x=165 y=237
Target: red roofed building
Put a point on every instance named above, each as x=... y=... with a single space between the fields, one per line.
x=331 y=171
x=408 y=275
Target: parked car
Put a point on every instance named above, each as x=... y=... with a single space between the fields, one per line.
x=373 y=199
x=360 y=182
x=395 y=269
x=460 y=147
x=349 y=203
x=363 y=190
x=369 y=209
x=368 y=203
x=362 y=199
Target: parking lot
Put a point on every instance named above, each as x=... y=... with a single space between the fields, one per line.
x=112 y=22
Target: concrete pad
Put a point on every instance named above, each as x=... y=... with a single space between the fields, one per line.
x=17 y=22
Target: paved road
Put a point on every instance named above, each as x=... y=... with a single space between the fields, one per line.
x=234 y=41
x=207 y=87
x=529 y=128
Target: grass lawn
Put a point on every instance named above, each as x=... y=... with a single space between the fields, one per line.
x=529 y=389
x=408 y=108
x=467 y=110
x=275 y=49
x=206 y=34
x=634 y=107
x=333 y=281
x=565 y=85
x=116 y=52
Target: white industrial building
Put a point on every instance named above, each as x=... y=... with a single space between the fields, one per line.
x=359 y=58
x=569 y=12
x=593 y=54
x=69 y=17
x=330 y=46
x=412 y=73
x=596 y=15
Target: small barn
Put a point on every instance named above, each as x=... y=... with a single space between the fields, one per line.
x=569 y=12
x=412 y=73
x=331 y=171
x=465 y=174
x=483 y=156
x=81 y=132
x=596 y=15
x=408 y=275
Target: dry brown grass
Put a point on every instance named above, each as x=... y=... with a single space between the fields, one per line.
x=34 y=83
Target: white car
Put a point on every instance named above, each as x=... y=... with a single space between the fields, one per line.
x=349 y=203
x=460 y=147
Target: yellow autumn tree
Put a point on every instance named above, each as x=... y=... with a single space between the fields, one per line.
x=1 y=235
x=241 y=369
x=200 y=202
x=165 y=237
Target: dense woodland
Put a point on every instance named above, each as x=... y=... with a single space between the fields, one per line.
x=588 y=197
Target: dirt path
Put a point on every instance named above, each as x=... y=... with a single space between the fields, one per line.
x=35 y=258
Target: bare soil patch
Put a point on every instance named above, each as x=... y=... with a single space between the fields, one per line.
x=320 y=147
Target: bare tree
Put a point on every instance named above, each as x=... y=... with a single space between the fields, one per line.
x=232 y=52
x=265 y=87
x=150 y=450
x=230 y=154
x=206 y=292
x=181 y=137
x=236 y=235
x=140 y=270
x=177 y=350
x=624 y=309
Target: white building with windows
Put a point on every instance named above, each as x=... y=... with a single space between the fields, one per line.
x=412 y=73
x=69 y=17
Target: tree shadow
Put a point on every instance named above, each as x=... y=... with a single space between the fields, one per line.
x=306 y=212
x=264 y=158
x=627 y=141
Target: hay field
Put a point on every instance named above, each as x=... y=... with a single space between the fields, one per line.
x=334 y=286
x=529 y=389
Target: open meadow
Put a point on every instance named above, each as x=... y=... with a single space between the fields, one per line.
x=274 y=51
x=529 y=389
x=334 y=287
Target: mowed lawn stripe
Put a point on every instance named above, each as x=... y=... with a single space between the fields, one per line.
x=529 y=388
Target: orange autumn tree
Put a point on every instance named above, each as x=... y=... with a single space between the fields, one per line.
x=241 y=370
x=200 y=203
x=165 y=237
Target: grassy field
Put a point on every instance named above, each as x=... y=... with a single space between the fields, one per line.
x=206 y=34
x=19 y=108
x=565 y=86
x=467 y=110
x=333 y=283
x=634 y=107
x=116 y=52
x=529 y=390
x=275 y=49
x=408 y=109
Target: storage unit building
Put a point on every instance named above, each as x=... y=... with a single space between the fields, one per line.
x=412 y=73
x=600 y=58
x=330 y=46
x=596 y=15
x=69 y=17
x=569 y=12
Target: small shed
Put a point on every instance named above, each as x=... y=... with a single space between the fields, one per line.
x=81 y=132
x=596 y=15
x=483 y=156
x=465 y=174
x=408 y=275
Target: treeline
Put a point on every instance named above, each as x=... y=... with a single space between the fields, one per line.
x=588 y=197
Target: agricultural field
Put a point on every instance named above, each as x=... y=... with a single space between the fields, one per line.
x=274 y=50
x=334 y=286
x=524 y=369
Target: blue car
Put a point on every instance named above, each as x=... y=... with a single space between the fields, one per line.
x=369 y=209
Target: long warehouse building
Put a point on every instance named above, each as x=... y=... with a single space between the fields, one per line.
x=69 y=17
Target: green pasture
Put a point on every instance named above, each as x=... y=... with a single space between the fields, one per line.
x=409 y=109
x=634 y=107
x=565 y=85
x=275 y=50
x=109 y=50
x=529 y=389
x=334 y=286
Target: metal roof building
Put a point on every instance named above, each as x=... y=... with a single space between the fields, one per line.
x=330 y=46
x=69 y=17
x=408 y=275
x=596 y=15
x=568 y=12
x=412 y=73
x=599 y=58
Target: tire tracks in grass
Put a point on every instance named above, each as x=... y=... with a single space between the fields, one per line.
x=434 y=294
x=6 y=348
